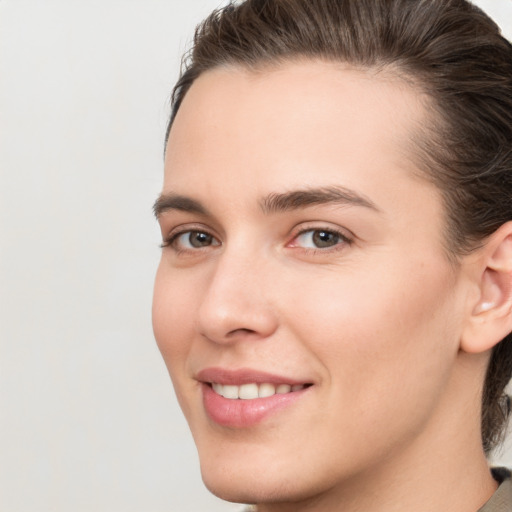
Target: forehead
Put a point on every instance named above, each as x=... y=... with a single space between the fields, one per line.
x=296 y=106
x=299 y=124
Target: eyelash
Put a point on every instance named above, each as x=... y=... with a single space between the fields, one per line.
x=172 y=239
x=342 y=240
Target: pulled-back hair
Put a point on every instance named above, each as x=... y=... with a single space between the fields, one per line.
x=451 y=51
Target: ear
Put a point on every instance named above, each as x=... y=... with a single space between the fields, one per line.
x=491 y=315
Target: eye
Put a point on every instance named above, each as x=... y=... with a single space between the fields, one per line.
x=319 y=239
x=191 y=240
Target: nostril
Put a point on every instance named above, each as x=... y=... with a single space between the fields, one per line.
x=236 y=332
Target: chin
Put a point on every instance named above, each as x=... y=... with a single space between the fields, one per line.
x=251 y=489
x=253 y=478
x=239 y=477
x=235 y=492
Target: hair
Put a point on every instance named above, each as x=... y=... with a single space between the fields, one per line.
x=453 y=52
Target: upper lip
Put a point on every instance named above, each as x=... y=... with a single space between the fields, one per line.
x=242 y=376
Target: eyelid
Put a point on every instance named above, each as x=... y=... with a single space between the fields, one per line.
x=346 y=236
x=180 y=230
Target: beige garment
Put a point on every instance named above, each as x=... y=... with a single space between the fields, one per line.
x=501 y=500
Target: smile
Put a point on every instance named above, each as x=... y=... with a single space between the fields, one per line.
x=244 y=398
x=254 y=390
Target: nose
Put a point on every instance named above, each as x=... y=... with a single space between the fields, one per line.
x=236 y=303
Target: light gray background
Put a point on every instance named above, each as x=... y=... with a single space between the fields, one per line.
x=88 y=420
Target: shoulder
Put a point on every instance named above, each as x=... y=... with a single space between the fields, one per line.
x=501 y=500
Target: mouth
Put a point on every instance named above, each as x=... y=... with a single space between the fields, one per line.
x=253 y=390
x=244 y=398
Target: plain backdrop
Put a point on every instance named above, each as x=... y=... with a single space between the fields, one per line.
x=88 y=419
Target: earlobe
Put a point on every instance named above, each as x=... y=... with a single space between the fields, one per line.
x=491 y=317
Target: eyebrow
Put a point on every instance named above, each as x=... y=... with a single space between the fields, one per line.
x=297 y=199
x=166 y=202
x=275 y=202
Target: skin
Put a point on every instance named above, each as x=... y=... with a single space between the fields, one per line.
x=374 y=321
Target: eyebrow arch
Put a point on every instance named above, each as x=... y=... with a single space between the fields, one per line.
x=166 y=202
x=297 y=199
x=275 y=202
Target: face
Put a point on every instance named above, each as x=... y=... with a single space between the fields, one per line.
x=304 y=305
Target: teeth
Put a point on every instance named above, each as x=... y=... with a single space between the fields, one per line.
x=266 y=390
x=283 y=388
x=248 y=391
x=230 y=391
x=253 y=390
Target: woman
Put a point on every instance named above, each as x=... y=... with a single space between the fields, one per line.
x=334 y=297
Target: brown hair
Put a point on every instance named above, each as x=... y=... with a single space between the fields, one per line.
x=453 y=52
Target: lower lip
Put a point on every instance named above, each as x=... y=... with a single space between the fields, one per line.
x=244 y=413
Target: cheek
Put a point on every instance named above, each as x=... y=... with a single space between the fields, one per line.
x=173 y=313
x=382 y=335
x=172 y=316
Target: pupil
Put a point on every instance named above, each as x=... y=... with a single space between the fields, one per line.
x=325 y=239
x=198 y=239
